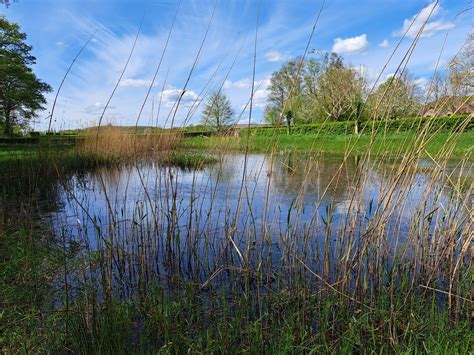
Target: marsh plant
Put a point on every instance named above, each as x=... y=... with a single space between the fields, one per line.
x=240 y=252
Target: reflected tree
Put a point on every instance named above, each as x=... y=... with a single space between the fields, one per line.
x=7 y=3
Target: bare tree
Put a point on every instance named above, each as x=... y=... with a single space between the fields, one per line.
x=461 y=74
x=218 y=112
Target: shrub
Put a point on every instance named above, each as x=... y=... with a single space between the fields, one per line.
x=449 y=123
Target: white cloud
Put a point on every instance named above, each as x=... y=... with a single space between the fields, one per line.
x=135 y=83
x=417 y=21
x=244 y=83
x=170 y=96
x=421 y=83
x=260 y=95
x=438 y=65
x=384 y=44
x=97 y=108
x=350 y=45
x=368 y=73
x=275 y=56
x=261 y=91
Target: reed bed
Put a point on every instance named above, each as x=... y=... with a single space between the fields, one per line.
x=276 y=253
x=113 y=141
x=173 y=267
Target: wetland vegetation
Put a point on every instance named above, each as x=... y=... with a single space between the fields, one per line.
x=349 y=234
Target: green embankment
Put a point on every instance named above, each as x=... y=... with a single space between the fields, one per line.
x=26 y=151
x=392 y=143
x=392 y=137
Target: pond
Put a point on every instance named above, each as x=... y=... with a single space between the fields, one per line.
x=261 y=211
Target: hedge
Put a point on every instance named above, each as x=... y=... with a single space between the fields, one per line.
x=448 y=123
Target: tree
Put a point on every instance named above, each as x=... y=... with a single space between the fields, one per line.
x=271 y=115
x=218 y=111
x=340 y=91
x=395 y=98
x=289 y=117
x=285 y=91
x=21 y=92
x=461 y=73
x=449 y=90
x=7 y=3
x=315 y=90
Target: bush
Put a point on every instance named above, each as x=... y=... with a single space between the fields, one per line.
x=450 y=123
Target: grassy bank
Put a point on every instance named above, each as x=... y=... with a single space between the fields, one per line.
x=171 y=316
x=25 y=151
x=275 y=319
x=391 y=143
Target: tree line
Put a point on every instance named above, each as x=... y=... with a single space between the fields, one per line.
x=327 y=89
x=301 y=91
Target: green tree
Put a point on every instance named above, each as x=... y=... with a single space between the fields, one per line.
x=218 y=112
x=285 y=91
x=339 y=90
x=21 y=92
x=395 y=98
x=315 y=90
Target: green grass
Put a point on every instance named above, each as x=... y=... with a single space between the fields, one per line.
x=392 y=143
x=188 y=160
x=28 y=264
x=180 y=316
x=25 y=151
x=188 y=319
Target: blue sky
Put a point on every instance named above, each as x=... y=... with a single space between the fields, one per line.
x=364 y=32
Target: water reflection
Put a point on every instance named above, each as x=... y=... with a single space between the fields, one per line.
x=276 y=191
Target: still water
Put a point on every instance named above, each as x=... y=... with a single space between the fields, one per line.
x=259 y=194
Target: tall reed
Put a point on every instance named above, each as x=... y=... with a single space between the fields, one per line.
x=113 y=141
x=370 y=253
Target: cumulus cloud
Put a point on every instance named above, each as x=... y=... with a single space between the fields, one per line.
x=244 y=83
x=170 y=96
x=366 y=72
x=384 y=44
x=275 y=56
x=350 y=45
x=261 y=92
x=135 y=83
x=260 y=95
x=97 y=108
x=412 y=25
x=421 y=83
